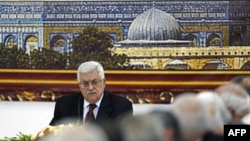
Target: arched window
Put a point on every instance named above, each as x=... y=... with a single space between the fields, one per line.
x=236 y=39
x=31 y=44
x=58 y=43
x=191 y=38
x=246 y=66
x=11 y=42
x=216 y=65
x=140 y=65
x=214 y=40
x=177 y=65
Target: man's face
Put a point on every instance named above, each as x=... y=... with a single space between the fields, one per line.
x=91 y=86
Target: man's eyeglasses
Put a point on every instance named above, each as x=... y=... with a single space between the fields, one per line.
x=93 y=83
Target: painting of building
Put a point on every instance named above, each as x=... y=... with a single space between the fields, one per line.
x=210 y=39
x=219 y=30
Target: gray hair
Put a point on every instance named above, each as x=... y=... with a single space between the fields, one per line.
x=235 y=97
x=142 y=128
x=240 y=105
x=90 y=66
x=192 y=114
x=78 y=133
x=220 y=114
x=212 y=98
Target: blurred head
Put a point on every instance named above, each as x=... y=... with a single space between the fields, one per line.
x=217 y=110
x=168 y=119
x=212 y=98
x=192 y=115
x=91 y=80
x=79 y=133
x=244 y=81
x=111 y=129
x=141 y=128
x=235 y=98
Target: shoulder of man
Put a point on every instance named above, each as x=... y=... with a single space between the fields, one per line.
x=116 y=97
x=69 y=97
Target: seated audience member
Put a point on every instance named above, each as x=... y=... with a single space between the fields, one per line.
x=111 y=129
x=193 y=116
x=91 y=81
x=168 y=119
x=244 y=81
x=78 y=133
x=236 y=100
x=141 y=127
x=219 y=115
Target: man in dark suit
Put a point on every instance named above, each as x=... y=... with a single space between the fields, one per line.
x=76 y=107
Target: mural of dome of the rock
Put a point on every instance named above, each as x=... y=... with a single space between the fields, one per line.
x=154 y=24
x=159 y=38
x=173 y=35
x=154 y=27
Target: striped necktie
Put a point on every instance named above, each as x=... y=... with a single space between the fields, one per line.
x=90 y=115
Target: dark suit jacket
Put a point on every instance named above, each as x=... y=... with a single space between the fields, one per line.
x=71 y=107
x=212 y=137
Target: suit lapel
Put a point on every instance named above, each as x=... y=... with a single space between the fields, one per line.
x=79 y=108
x=105 y=107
